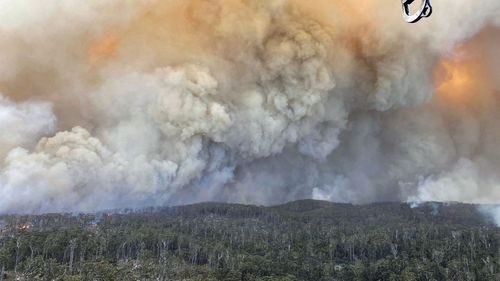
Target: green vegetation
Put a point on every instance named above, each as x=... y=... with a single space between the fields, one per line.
x=303 y=240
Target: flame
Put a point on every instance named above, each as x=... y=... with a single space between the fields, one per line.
x=102 y=49
x=455 y=78
x=24 y=226
x=464 y=81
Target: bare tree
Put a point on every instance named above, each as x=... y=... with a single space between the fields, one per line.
x=72 y=246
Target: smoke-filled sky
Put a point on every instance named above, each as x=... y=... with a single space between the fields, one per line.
x=124 y=103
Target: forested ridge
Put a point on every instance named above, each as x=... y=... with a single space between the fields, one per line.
x=303 y=240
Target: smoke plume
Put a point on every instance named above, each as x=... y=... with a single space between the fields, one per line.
x=109 y=104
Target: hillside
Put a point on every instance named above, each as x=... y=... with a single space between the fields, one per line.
x=302 y=240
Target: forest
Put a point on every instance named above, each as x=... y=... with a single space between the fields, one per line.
x=302 y=240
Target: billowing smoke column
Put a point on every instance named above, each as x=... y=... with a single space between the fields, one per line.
x=109 y=104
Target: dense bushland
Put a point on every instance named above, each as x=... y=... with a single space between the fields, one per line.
x=303 y=240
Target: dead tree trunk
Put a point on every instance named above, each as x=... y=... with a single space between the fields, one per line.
x=72 y=247
x=18 y=246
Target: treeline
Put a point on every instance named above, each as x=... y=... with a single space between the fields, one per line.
x=304 y=240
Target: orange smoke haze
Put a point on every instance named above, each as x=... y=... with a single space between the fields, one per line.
x=176 y=30
x=457 y=78
x=102 y=49
x=463 y=79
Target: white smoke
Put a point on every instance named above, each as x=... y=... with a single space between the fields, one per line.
x=243 y=101
x=22 y=124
